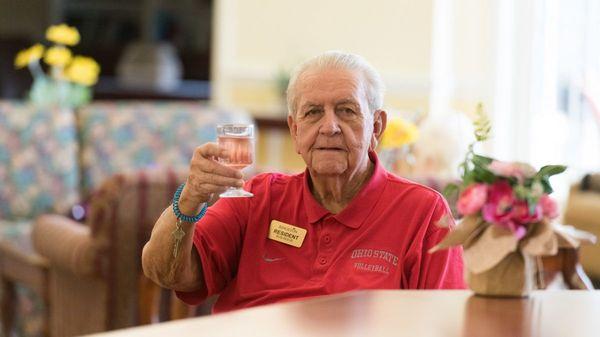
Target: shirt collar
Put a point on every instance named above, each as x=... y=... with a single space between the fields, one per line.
x=361 y=205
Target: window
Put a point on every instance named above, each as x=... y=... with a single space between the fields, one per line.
x=565 y=115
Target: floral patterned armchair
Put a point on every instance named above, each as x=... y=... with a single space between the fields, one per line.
x=53 y=160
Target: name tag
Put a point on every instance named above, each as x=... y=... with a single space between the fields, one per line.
x=288 y=234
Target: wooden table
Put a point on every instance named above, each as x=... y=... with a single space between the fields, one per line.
x=400 y=313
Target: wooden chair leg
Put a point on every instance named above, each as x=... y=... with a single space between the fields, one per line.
x=164 y=305
x=147 y=300
x=179 y=309
x=573 y=273
x=45 y=295
x=8 y=306
x=206 y=307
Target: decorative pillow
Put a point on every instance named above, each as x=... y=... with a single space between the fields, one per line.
x=38 y=160
x=128 y=135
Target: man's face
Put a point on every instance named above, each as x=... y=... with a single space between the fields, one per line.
x=333 y=128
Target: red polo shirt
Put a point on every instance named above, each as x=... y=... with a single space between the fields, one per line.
x=379 y=241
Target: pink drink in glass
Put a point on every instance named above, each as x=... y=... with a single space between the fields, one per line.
x=239 y=149
x=238 y=140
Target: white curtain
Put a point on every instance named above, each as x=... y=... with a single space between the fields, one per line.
x=565 y=124
x=535 y=65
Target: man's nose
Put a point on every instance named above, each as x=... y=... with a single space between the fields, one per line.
x=329 y=123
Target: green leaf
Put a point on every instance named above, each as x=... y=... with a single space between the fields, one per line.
x=550 y=170
x=480 y=170
x=469 y=178
x=546 y=184
x=483 y=175
x=481 y=160
x=450 y=191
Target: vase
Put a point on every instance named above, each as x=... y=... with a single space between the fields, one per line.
x=513 y=276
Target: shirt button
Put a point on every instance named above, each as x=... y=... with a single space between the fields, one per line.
x=322 y=260
x=327 y=239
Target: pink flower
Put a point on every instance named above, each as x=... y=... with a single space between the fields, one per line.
x=549 y=206
x=521 y=215
x=499 y=204
x=518 y=230
x=472 y=199
x=521 y=171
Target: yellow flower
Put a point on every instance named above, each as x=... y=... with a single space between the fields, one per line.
x=398 y=133
x=31 y=54
x=57 y=56
x=63 y=34
x=83 y=70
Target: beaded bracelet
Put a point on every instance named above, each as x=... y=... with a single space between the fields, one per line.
x=178 y=213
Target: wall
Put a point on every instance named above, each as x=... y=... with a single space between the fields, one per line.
x=256 y=39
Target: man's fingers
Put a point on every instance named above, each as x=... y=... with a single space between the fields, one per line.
x=208 y=176
x=214 y=189
x=199 y=178
x=213 y=167
x=208 y=150
x=215 y=195
x=218 y=180
x=211 y=150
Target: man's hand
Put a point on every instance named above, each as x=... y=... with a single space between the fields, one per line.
x=207 y=177
x=184 y=272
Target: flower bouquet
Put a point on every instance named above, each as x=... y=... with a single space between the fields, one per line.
x=506 y=220
x=70 y=77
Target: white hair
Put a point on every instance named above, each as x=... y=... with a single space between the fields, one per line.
x=374 y=86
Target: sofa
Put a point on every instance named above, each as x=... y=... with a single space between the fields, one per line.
x=79 y=195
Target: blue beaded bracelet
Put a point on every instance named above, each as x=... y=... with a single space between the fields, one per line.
x=178 y=213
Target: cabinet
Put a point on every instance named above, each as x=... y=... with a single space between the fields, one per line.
x=108 y=26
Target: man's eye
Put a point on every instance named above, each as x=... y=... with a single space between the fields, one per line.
x=311 y=112
x=347 y=111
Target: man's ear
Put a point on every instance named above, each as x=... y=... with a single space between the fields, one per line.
x=293 y=131
x=379 y=124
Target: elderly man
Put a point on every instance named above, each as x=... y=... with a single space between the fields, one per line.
x=343 y=224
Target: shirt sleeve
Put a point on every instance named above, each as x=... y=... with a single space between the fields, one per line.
x=442 y=269
x=218 y=238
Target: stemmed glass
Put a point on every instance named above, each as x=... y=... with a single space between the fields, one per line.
x=238 y=140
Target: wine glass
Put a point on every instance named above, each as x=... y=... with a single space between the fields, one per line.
x=238 y=140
